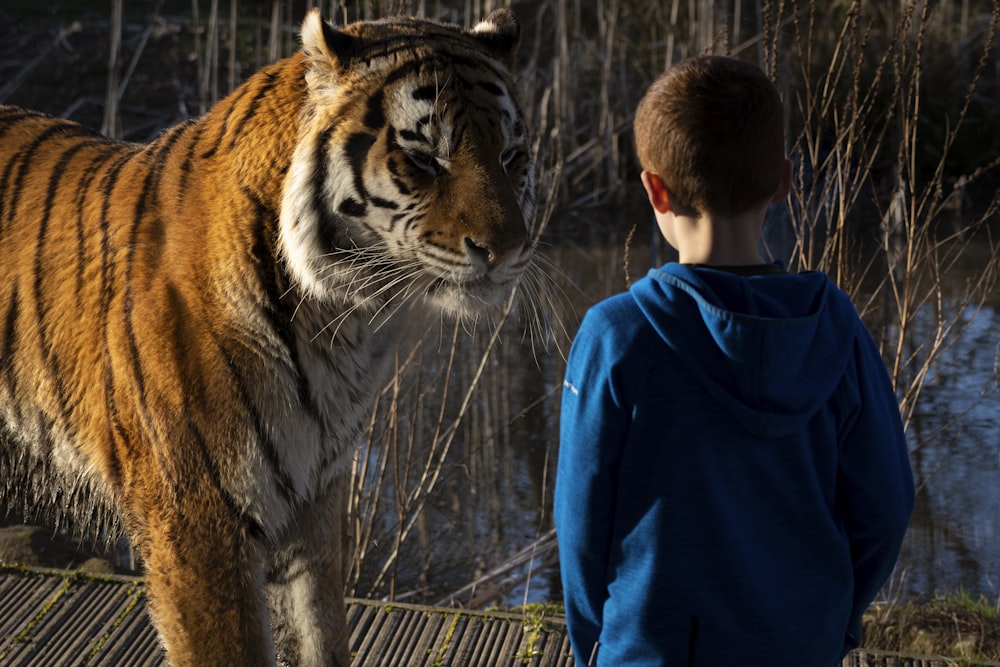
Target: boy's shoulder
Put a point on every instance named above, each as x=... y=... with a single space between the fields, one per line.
x=618 y=312
x=618 y=318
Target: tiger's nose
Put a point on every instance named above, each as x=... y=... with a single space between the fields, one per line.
x=488 y=252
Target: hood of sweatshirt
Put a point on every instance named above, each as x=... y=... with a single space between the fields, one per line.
x=771 y=349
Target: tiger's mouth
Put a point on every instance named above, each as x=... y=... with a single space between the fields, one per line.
x=475 y=284
x=484 y=291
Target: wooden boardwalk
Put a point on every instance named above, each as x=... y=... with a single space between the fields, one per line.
x=52 y=618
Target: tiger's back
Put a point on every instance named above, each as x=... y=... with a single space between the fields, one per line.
x=194 y=328
x=104 y=267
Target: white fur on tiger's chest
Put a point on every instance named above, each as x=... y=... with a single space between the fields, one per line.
x=314 y=437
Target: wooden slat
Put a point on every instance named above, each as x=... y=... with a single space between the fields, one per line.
x=56 y=618
x=20 y=599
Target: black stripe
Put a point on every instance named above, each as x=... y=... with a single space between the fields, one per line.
x=24 y=159
x=252 y=525
x=9 y=350
x=392 y=144
x=357 y=148
x=427 y=93
x=404 y=189
x=279 y=308
x=444 y=60
x=396 y=219
x=330 y=228
x=186 y=165
x=114 y=462
x=107 y=187
x=27 y=154
x=83 y=189
x=410 y=135
x=428 y=239
x=58 y=171
x=11 y=115
x=265 y=261
x=116 y=430
x=272 y=81
x=224 y=125
x=447 y=46
x=383 y=203
x=475 y=85
x=39 y=293
x=392 y=163
x=148 y=198
x=3 y=192
x=283 y=480
x=375 y=115
x=9 y=342
x=352 y=207
x=491 y=88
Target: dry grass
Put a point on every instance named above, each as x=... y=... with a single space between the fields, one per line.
x=959 y=627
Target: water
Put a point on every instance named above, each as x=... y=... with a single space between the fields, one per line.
x=954 y=538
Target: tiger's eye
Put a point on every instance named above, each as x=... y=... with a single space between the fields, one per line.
x=423 y=161
x=507 y=157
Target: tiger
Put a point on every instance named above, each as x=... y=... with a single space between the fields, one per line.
x=194 y=329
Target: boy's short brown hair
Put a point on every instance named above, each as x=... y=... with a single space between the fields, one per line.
x=712 y=128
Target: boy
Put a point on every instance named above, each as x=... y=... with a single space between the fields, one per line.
x=733 y=482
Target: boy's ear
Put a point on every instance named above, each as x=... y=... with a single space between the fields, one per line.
x=656 y=191
x=786 y=183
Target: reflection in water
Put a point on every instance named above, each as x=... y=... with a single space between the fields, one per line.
x=494 y=494
x=457 y=481
x=954 y=539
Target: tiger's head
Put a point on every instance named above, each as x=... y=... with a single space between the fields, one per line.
x=412 y=175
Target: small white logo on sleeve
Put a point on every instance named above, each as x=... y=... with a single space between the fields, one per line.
x=568 y=385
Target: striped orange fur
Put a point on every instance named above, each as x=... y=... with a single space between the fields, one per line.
x=193 y=330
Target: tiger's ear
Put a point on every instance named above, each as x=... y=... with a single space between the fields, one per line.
x=499 y=33
x=326 y=47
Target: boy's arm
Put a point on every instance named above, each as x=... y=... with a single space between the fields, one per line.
x=593 y=426
x=876 y=483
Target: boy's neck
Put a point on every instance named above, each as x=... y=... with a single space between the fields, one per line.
x=715 y=240
x=716 y=256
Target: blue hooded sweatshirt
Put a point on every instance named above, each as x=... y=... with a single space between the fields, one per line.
x=733 y=482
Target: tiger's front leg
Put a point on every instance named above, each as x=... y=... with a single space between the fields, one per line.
x=205 y=582
x=305 y=585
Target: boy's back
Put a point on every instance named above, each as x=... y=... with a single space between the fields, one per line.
x=733 y=483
